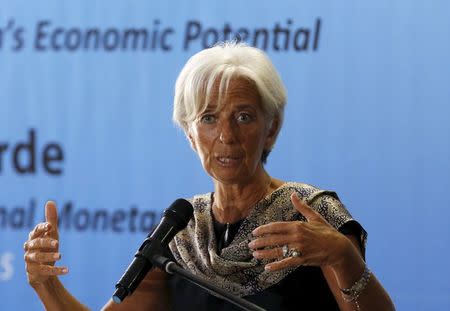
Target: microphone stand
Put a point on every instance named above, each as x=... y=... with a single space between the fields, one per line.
x=173 y=268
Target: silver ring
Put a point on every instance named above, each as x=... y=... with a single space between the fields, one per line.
x=295 y=253
x=290 y=252
x=285 y=250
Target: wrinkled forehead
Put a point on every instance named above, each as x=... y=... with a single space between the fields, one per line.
x=224 y=89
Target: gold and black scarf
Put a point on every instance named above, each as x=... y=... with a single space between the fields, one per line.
x=234 y=268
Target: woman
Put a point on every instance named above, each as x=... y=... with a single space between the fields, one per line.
x=282 y=245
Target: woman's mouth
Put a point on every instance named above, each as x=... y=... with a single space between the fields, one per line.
x=228 y=161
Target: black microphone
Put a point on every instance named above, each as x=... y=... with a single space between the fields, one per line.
x=175 y=218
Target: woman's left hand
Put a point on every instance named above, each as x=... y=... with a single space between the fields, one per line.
x=316 y=242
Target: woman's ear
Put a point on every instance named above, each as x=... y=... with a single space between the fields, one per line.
x=272 y=133
x=191 y=139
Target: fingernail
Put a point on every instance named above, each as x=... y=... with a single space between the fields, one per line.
x=255 y=232
x=268 y=267
x=64 y=270
x=56 y=256
x=54 y=243
x=251 y=244
x=255 y=254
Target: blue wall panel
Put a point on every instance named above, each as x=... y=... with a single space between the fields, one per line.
x=367 y=116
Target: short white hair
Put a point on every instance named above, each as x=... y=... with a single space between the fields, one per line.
x=220 y=64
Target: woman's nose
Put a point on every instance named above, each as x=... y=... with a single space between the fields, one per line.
x=227 y=132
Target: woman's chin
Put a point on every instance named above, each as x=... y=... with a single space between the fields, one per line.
x=229 y=176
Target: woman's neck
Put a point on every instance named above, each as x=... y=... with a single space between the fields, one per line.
x=233 y=202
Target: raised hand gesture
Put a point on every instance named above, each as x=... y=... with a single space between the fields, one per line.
x=294 y=243
x=41 y=249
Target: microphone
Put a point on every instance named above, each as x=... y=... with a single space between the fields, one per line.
x=175 y=218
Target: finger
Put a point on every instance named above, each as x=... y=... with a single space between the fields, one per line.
x=284 y=263
x=278 y=227
x=305 y=210
x=39 y=269
x=275 y=240
x=39 y=230
x=41 y=243
x=51 y=214
x=270 y=253
x=41 y=257
x=277 y=252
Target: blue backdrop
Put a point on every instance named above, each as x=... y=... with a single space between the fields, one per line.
x=85 y=119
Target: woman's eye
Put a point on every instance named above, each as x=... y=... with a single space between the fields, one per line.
x=244 y=117
x=208 y=118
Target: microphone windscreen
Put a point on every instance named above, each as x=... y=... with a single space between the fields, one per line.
x=180 y=211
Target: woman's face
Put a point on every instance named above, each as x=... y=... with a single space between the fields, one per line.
x=230 y=141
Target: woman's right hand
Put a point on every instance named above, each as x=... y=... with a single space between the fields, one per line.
x=41 y=249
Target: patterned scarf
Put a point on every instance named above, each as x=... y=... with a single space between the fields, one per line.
x=235 y=269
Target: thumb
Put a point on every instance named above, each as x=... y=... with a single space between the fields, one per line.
x=51 y=214
x=305 y=210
